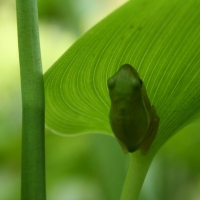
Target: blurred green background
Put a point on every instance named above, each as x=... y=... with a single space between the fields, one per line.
x=87 y=167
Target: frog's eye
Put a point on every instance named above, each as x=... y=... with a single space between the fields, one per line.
x=111 y=83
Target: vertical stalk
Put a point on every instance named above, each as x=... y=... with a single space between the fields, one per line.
x=138 y=168
x=32 y=87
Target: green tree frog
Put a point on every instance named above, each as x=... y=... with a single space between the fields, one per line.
x=133 y=119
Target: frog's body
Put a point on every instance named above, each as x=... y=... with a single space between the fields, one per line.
x=132 y=118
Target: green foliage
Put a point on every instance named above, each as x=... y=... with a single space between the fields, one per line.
x=160 y=39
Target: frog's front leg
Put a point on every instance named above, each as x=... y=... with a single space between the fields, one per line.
x=124 y=148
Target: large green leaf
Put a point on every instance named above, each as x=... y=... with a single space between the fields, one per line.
x=161 y=39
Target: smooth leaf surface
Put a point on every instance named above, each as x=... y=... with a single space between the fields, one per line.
x=159 y=38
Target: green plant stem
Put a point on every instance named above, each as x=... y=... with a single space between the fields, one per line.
x=136 y=174
x=32 y=87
